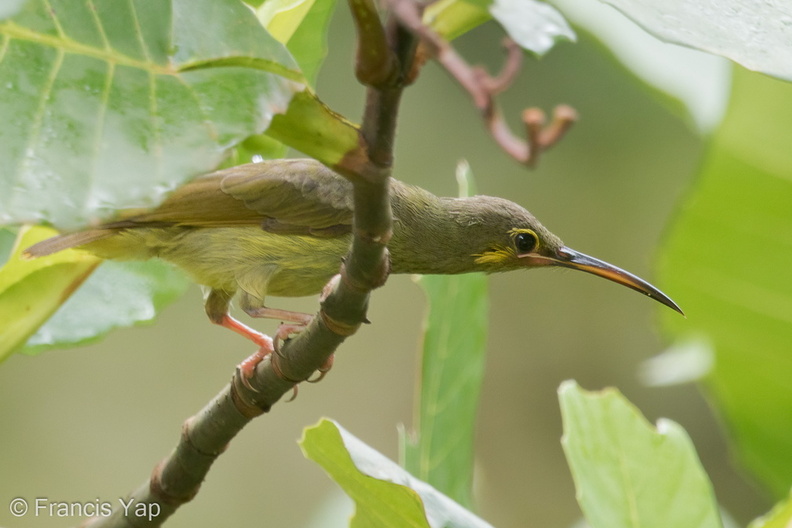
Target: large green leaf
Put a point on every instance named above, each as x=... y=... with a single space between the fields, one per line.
x=109 y=105
x=440 y=448
x=627 y=473
x=31 y=291
x=86 y=303
x=699 y=81
x=727 y=262
x=754 y=34
x=385 y=495
x=117 y=294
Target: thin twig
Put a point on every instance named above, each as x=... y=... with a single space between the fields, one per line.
x=483 y=88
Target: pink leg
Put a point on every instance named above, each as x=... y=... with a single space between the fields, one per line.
x=242 y=329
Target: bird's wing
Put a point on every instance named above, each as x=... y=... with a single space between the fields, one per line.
x=296 y=196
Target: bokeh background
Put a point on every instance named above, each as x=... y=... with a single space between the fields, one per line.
x=90 y=423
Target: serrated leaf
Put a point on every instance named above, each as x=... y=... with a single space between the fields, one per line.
x=31 y=291
x=757 y=35
x=110 y=105
x=739 y=295
x=385 y=495
x=439 y=450
x=117 y=294
x=627 y=473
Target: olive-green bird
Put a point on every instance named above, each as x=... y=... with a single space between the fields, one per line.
x=282 y=227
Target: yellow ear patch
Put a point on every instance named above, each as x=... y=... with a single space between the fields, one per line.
x=495 y=255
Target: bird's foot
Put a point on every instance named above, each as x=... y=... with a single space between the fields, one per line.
x=247 y=368
x=283 y=334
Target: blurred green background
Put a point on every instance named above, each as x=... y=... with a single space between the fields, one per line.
x=92 y=422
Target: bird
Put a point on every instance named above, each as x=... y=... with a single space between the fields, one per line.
x=282 y=227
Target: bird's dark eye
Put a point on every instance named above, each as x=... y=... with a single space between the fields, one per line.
x=525 y=241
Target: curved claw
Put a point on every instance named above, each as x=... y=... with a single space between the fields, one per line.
x=323 y=370
x=247 y=368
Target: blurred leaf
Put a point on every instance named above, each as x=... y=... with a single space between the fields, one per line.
x=453 y=18
x=697 y=80
x=440 y=449
x=757 y=35
x=31 y=291
x=534 y=25
x=385 y=495
x=117 y=294
x=685 y=361
x=727 y=262
x=111 y=105
x=627 y=474
x=779 y=517
x=301 y=25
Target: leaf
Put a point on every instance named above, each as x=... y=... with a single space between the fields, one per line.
x=110 y=105
x=534 y=25
x=699 y=81
x=31 y=291
x=727 y=262
x=301 y=25
x=779 y=517
x=757 y=35
x=453 y=18
x=312 y=128
x=117 y=294
x=440 y=449
x=627 y=474
x=385 y=495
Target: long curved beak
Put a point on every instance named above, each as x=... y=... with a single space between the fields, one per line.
x=569 y=258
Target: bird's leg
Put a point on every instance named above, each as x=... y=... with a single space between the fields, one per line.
x=217 y=304
x=301 y=319
x=283 y=333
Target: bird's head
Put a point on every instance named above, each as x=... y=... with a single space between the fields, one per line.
x=504 y=236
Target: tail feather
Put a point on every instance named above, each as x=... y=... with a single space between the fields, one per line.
x=70 y=240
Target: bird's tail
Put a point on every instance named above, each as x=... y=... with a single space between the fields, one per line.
x=69 y=240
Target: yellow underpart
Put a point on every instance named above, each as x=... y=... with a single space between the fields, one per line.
x=495 y=255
